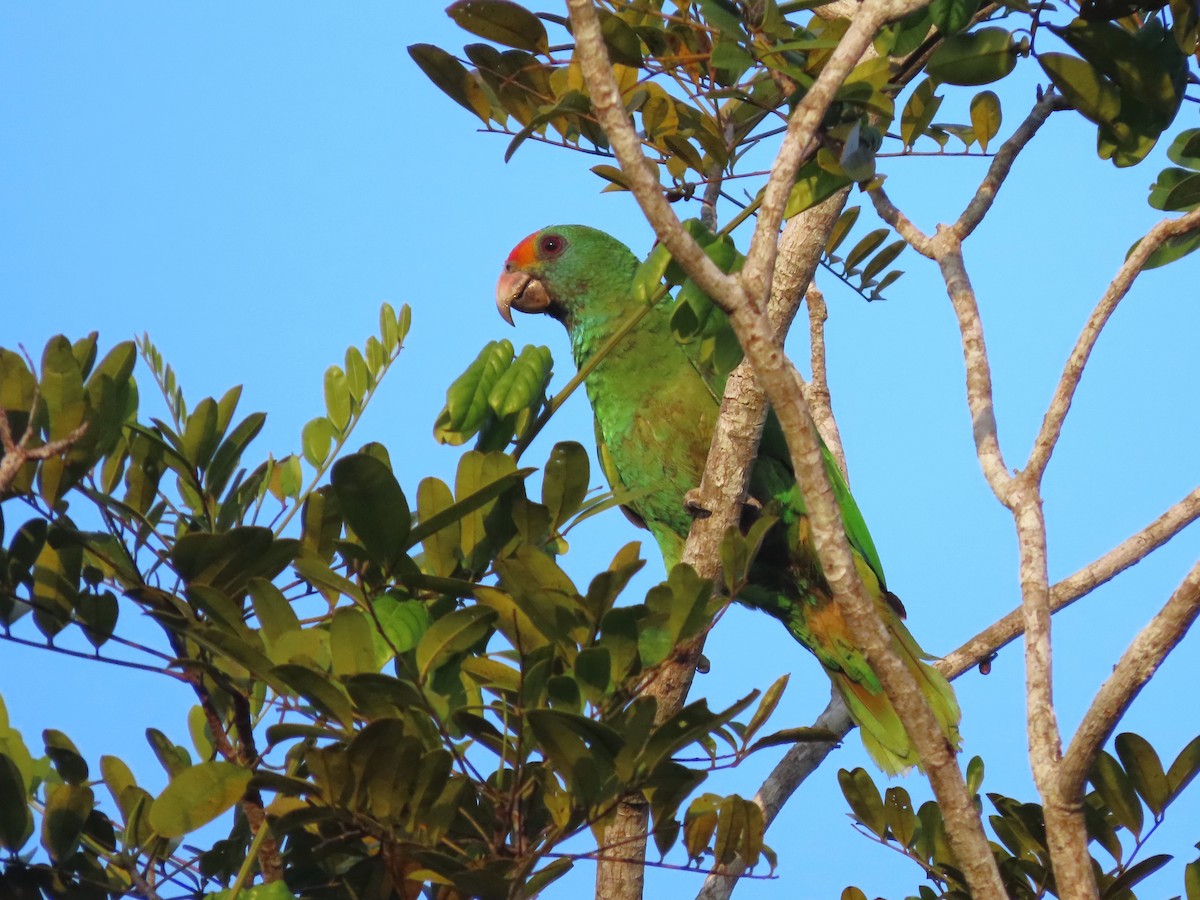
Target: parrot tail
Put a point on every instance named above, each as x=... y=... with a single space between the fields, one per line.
x=882 y=733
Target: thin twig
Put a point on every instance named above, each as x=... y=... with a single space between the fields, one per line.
x=1060 y=404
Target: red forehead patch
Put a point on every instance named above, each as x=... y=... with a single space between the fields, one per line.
x=525 y=253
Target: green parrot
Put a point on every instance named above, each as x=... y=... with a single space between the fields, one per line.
x=655 y=409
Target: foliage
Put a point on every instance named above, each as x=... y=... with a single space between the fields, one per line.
x=398 y=691
x=1126 y=788
x=708 y=83
x=423 y=691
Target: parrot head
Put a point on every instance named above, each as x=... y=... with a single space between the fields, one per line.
x=558 y=269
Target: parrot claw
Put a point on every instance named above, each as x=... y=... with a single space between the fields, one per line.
x=695 y=509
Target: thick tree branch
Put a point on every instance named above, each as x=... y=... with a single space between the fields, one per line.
x=744 y=302
x=1060 y=404
x=1138 y=663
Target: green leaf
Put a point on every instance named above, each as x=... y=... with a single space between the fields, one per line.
x=1171 y=249
x=1184 y=768
x=901 y=820
x=1086 y=89
x=275 y=614
x=813 y=184
x=316 y=439
x=97 y=613
x=327 y=696
x=16 y=821
x=1176 y=190
x=501 y=21
x=452 y=634
x=471 y=496
x=1185 y=151
x=1145 y=770
x=350 y=642
x=67 y=809
x=974 y=775
x=882 y=260
x=1191 y=880
x=66 y=758
x=952 y=16
x=722 y=15
x=227 y=561
x=338 y=403
x=864 y=248
x=770 y=699
x=1117 y=791
x=467 y=397
x=981 y=57
x=523 y=384
x=699 y=824
x=196 y=796
x=985 y=117
x=200 y=435
x=565 y=483
x=373 y=505
x=864 y=799
x=441 y=544
x=1133 y=875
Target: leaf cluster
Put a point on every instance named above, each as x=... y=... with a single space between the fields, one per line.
x=1129 y=798
x=410 y=691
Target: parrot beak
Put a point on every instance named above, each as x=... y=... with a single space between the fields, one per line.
x=522 y=292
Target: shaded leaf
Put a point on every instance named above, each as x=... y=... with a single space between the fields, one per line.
x=196 y=796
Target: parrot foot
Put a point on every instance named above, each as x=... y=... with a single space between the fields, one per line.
x=695 y=509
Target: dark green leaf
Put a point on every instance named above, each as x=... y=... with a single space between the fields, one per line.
x=16 y=821
x=1145 y=770
x=1184 y=768
x=1185 y=151
x=1133 y=875
x=952 y=16
x=373 y=505
x=722 y=15
x=66 y=758
x=326 y=695
x=864 y=799
x=1117 y=790
x=979 y=57
x=565 y=483
x=501 y=21
x=67 y=809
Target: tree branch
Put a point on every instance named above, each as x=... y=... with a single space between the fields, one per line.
x=17 y=453
x=1003 y=161
x=797 y=764
x=1130 y=551
x=1060 y=404
x=1138 y=663
x=819 y=397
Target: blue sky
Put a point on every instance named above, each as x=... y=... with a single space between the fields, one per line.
x=248 y=183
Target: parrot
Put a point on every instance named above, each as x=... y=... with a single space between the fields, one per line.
x=655 y=408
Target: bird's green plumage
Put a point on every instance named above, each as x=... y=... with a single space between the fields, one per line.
x=655 y=410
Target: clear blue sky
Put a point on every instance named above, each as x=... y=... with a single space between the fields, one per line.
x=247 y=183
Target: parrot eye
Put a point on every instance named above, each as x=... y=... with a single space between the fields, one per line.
x=552 y=245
